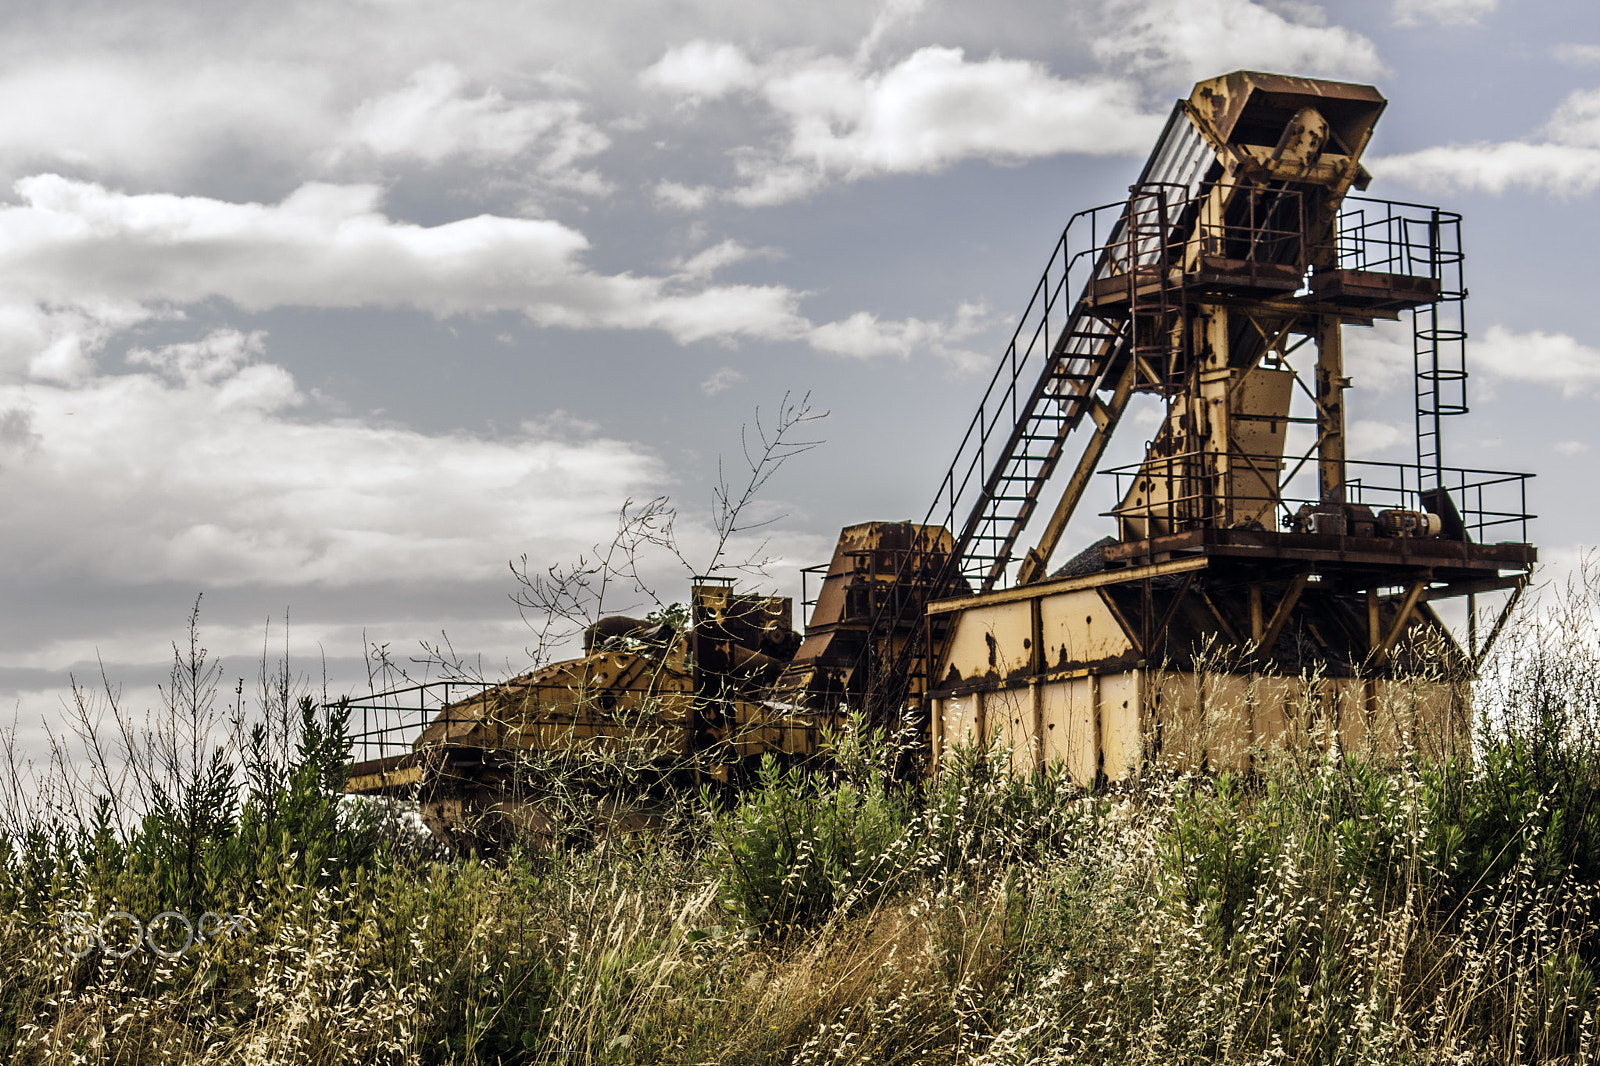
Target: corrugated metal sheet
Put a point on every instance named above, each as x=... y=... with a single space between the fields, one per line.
x=1180 y=162
x=1182 y=158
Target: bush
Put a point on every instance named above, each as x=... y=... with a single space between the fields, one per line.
x=799 y=847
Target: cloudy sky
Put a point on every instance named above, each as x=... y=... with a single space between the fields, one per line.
x=333 y=309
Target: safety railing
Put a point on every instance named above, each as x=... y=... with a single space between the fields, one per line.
x=1056 y=363
x=878 y=577
x=1185 y=491
x=1396 y=237
x=1063 y=350
x=393 y=720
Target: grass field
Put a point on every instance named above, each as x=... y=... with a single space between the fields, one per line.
x=1326 y=907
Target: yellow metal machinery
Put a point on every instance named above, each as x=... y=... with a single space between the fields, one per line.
x=878 y=571
x=676 y=703
x=1249 y=551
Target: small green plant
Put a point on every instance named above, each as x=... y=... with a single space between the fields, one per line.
x=799 y=847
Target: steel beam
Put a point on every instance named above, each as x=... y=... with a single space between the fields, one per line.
x=1380 y=654
x=1037 y=561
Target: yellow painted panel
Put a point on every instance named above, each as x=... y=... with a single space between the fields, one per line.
x=1432 y=716
x=1079 y=629
x=1120 y=721
x=960 y=720
x=1231 y=720
x=1262 y=393
x=1208 y=720
x=1068 y=726
x=1008 y=717
x=990 y=641
x=1268 y=696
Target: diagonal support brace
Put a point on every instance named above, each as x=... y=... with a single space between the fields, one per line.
x=1280 y=617
x=1499 y=624
x=1106 y=416
x=1380 y=654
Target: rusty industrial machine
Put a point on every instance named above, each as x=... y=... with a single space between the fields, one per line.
x=1258 y=581
x=1255 y=581
x=677 y=701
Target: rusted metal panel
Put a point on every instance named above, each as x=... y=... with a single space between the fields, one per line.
x=863 y=616
x=1070 y=731
x=1237 y=247
x=1252 y=108
x=1009 y=718
x=961 y=720
x=1079 y=629
x=1222 y=720
x=1462 y=560
x=685 y=702
x=1122 y=723
x=1182 y=156
x=991 y=643
x=1372 y=289
x=1066 y=584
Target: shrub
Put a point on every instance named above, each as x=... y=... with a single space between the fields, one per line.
x=799 y=847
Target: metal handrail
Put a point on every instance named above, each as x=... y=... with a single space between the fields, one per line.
x=1481 y=497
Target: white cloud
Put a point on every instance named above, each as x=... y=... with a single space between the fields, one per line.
x=219 y=354
x=770 y=181
x=931 y=110
x=1179 y=42
x=1443 y=12
x=111 y=259
x=700 y=70
x=864 y=336
x=1367 y=439
x=79 y=263
x=324 y=245
x=205 y=103
x=1571 y=447
x=57 y=343
x=432 y=118
x=1380 y=357
x=1565 y=163
x=1577 y=54
x=1559 y=169
x=1576 y=120
x=721 y=380
x=77 y=245
x=724 y=253
x=158 y=119
x=197 y=475
x=1553 y=359
x=891 y=16
x=723 y=312
x=935 y=108
x=681 y=197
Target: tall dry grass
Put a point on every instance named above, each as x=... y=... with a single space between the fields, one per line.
x=1326 y=907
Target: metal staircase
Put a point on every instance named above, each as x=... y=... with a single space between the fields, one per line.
x=1051 y=377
